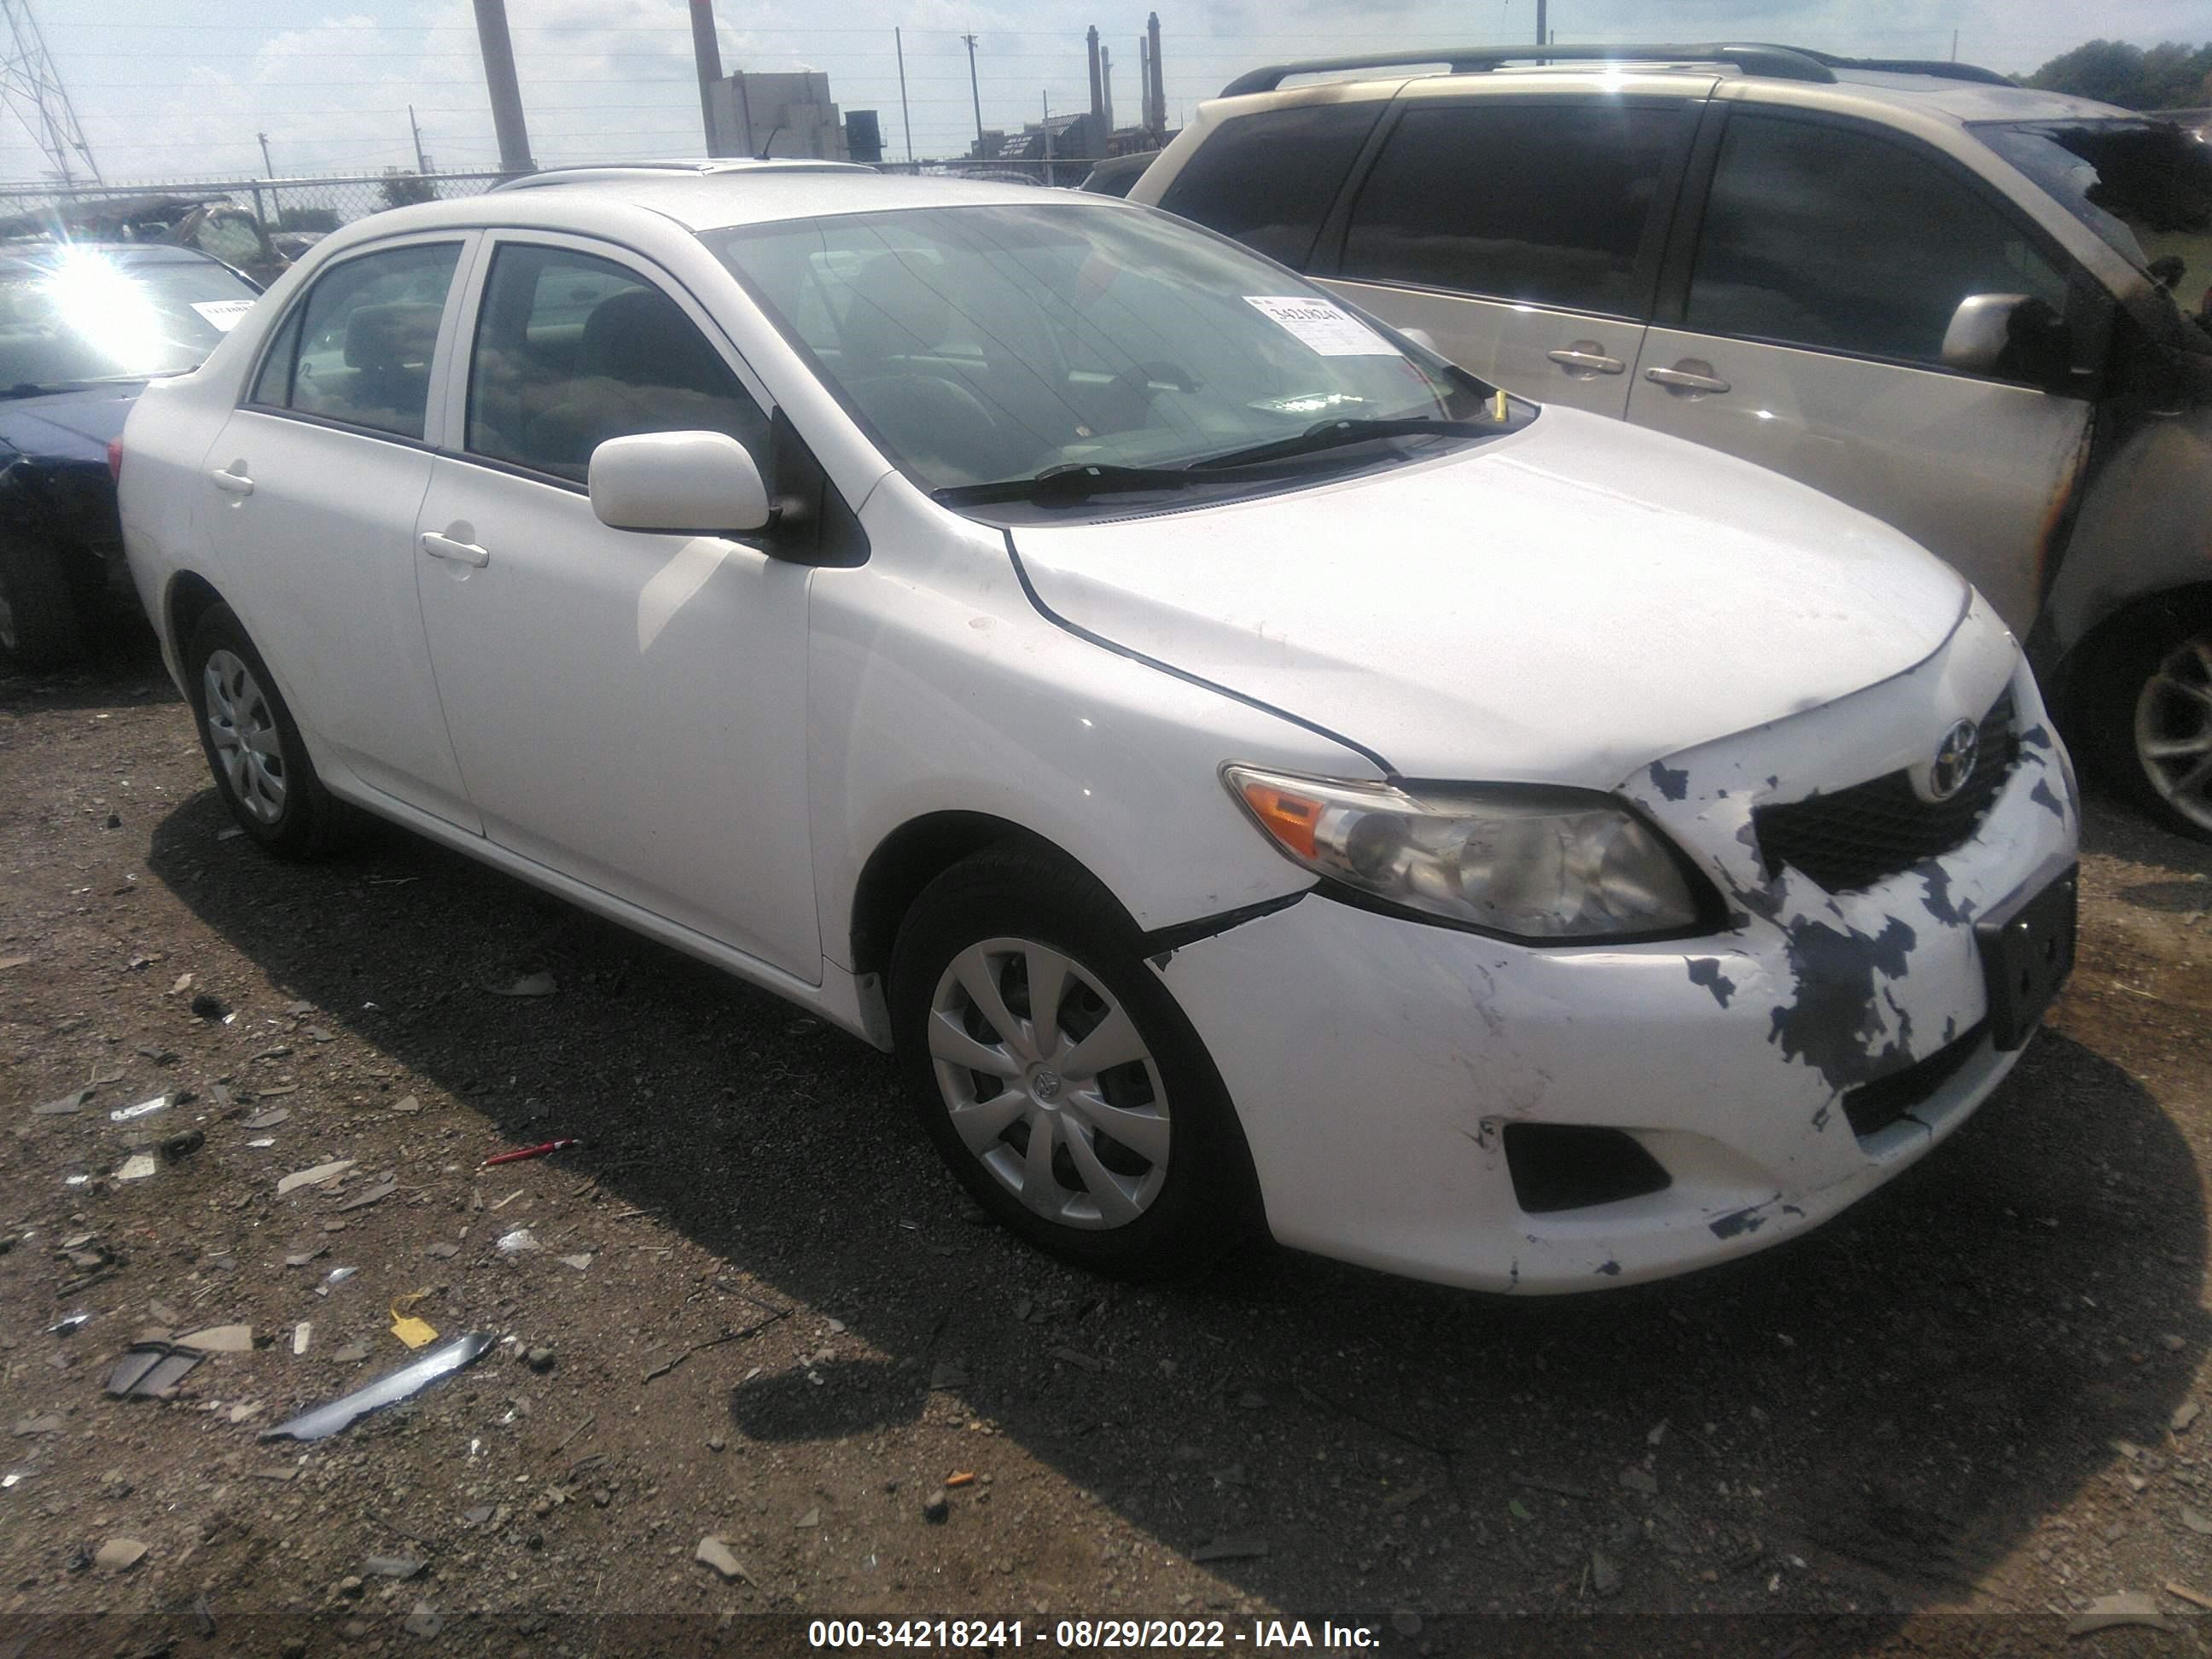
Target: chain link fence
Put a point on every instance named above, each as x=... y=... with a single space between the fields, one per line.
x=311 y=202
x=306 y=204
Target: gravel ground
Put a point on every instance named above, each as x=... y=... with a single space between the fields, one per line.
x=764 y=1315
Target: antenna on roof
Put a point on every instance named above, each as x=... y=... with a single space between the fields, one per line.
x=770 y=143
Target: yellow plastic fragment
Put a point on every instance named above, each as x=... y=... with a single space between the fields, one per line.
x=415 y=1333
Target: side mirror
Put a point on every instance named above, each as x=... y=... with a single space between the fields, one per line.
x=2012 y=334
x=706 y=482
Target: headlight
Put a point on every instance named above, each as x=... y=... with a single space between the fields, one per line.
x=1529 y=862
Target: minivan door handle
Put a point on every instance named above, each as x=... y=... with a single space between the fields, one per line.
x=444 y=547
x=234 y=483
x=1688 y=379
x=1585 y=358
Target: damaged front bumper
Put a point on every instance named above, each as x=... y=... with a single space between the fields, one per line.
x=1766 y=1076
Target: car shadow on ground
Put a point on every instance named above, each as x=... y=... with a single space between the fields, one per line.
x=1890 y=1403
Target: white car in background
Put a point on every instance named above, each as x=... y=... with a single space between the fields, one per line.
x=1251 y=771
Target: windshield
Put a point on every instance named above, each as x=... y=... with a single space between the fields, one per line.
x=2145 y=186
x=79 y=314
x=984 y=344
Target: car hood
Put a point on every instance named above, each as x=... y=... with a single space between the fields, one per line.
x=1565 y=604
x=68 y=425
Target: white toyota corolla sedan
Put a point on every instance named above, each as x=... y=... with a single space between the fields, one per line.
x=1252 y=773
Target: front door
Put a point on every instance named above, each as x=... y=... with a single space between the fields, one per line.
x=628 y=709
x=308 y=507
x=1523 y=236
x=1829 y=266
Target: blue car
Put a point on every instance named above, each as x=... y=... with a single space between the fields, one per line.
x=83 y=327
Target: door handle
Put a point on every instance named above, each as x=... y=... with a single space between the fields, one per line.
x=234 y=483
x=1687 y=378
x=444 y=547
x=1588 y=356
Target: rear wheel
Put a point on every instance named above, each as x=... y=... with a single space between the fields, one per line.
x=1055 y=1075
x=2150 y=706
x=39 y=626
x=252 y=747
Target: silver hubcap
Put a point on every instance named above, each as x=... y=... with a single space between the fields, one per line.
x=243 y=729
x=1049 y=1084
x=2174 y=730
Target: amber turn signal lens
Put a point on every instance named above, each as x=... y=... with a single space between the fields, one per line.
x=1290 y=818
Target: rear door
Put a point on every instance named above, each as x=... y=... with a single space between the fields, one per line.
x=1808 y=337
x=1522 y=235
x=309 y=504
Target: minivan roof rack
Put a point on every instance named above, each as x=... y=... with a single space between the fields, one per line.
x=1783 y=63
x=1939 y=68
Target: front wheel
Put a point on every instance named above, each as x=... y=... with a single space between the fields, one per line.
x=1055 y=1075
x=2151 y=709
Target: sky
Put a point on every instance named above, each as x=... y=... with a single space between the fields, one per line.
x=164 y=93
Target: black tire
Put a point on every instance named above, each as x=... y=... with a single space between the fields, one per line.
x=2119 y=699
x=302 y=822
x=1206 y=1199
x=40 y=623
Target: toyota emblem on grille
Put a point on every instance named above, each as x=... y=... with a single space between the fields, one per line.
x=1955 y=760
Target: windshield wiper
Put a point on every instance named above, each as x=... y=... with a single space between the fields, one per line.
x=1337 y=434
x=1077 y=482
x=42 y=388
x=1068 y=485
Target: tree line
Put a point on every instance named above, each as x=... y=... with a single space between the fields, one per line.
x=2169 y=75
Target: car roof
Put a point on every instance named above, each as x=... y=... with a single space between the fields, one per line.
x=712 y=201
x=691 y=166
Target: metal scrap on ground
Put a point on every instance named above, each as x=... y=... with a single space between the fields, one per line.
x=392 y=1386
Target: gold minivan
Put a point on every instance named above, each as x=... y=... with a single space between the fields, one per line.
x=1976 y=311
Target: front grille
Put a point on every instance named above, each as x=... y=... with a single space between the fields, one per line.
x=1858 y=836
x=1873 y=1107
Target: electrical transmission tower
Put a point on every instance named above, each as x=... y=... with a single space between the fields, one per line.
x=32 y=91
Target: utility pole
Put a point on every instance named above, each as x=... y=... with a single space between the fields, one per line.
x=975 y=92
x=1954 y=46
x=1045 y=99
x=709 y=53
x=905 y=114
x=32 y=89
x=270 y=166
x=498 y=48
x=1543 y=35
x=421 y=161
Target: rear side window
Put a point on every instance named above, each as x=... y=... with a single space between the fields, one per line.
x=1269 y=180
x=572 y=350
x=1535 y=203
x=1816 y=235
x=359 y=349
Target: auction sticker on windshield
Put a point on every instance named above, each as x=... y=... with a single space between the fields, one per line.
x=1330 y=330
x=222 y=314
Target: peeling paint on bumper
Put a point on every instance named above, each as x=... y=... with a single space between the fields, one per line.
x=1375 y=1133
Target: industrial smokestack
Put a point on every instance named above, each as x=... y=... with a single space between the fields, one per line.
x=1156 y=84
x=1097 y=94
x=1106 y=89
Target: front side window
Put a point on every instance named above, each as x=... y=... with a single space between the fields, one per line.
x=1816 y=235
x=572 y=350
x=2145 y=186
x=364 y=341
x=1531 y=203
x=984 y=344
x=1267 y=179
